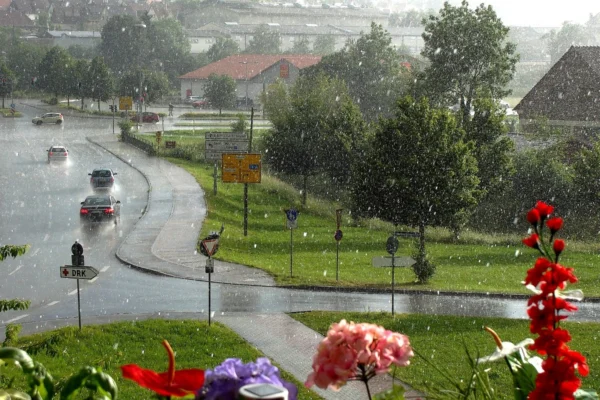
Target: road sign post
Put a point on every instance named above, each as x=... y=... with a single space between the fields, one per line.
x=78 y=271
x=338 y=238
x=209 y=247
x=291 y=223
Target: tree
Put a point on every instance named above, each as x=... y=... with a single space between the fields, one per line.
x=301 y=46
x=317 y=129
x=324 y=44
x=13 y=251
x=469 y=56
x=168 y=47
x=78 y=51
x=276 y=102
x=23 y=59
x=569 y=35
x=409 y=19
x=586 y=176
x=371 y=69
x=417 y=170
x=264 y=41
x=154 y=84
x=222 y=48
x=124 y=43
x=53 y=71
x=220 y=91
x=99 y=81
x=7 y=78
x=487 y=130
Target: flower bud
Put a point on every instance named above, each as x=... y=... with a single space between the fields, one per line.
x=544 y=209
x=554 y=224
x=532 y=241
x=558 y=246
x=533 y=216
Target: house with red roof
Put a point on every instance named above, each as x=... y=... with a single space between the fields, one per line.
x=251 y=72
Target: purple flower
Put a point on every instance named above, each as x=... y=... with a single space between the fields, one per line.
x=224 y=382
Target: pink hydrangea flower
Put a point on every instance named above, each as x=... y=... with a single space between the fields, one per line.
x=357 y=352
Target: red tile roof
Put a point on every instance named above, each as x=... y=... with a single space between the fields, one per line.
x=235 y=66
x=4 y=4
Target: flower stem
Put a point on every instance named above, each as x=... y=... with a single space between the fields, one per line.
x=368 y=391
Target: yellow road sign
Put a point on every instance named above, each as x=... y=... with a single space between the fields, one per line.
x=240 y=168
x=125 y=103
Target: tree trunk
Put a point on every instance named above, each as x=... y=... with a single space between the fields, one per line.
x=304 y=184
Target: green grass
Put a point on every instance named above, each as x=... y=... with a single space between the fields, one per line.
x=216 y=115
x=196 y=345
x=485 y=263
x=440 y=339
x=6 y=113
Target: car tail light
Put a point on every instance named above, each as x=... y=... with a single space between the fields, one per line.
x=50 y=153
x=91 y=180
x=84 y=211
x=109 y=210
x=66 y=154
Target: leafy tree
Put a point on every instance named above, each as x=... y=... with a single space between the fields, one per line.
x=168 y=47
x=124 y=43
x=418 y=170
x=43 y=23
x=371 y=69
x=276 y=102
x=23 y=59
x=222 y=48
x=264 y=41
x=569 y=35
x=301 y=46
x=154 y=84
x=220 y=91
x=469 y=56
x=318 y=130
x=53 y=71
x=487 y=130
x=9 y=37
x=79 y=84
x=324 y=44
x=409 y=19
x=99 y=81
x=7 y=78
x=13 y=251
x=586 y=176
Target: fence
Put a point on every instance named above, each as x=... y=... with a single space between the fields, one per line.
x=144 y=145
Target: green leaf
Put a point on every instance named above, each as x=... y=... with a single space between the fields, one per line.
x=12 y=394
x=17 y=355
x=395 y=393
x=75 y=383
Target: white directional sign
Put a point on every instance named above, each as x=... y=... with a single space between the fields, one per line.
x=79 y=272
x=225 y=135
x=214 y=149
x=400 y=261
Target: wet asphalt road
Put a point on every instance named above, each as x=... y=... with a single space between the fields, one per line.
x=39 y=205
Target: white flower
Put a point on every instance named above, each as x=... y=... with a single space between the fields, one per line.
x=507 y=349
x=576 y=295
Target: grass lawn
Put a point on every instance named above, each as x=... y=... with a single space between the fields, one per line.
x=477 y=263
x=7 y=114
x=440 y=339
x=196 y=345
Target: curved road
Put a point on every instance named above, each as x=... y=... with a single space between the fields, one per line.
x=40 y=203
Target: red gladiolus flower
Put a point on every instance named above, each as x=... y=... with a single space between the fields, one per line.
x=171 y=383
x=544 y=209
x=532 y=241
x=554 y=224
x=533 y=216
x=546 y=309
x=558 y=245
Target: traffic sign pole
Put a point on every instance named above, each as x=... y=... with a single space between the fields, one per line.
x=78 y=305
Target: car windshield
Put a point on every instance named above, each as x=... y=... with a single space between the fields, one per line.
x=97 y=201
x=58 y=149
x=101 y=174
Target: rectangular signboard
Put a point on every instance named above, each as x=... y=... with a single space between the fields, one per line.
x=241 y=168
x=225 y=135
x=400 y=261
x=125 y=103
x=78 y=272
x=226 y=145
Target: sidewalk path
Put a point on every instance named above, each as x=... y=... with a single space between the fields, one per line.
x=164 y=242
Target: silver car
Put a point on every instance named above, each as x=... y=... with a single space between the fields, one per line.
x=49 y=118
x=102 y=178
x=58 y=153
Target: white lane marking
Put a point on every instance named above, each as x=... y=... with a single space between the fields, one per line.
x=10 y=321
x=104 y=269
x=92 y=280
x=16 y=269
x=73 y=292
x=52 y=303
x=46 y=237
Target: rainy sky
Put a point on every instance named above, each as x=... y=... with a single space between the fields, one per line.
x=540 y=13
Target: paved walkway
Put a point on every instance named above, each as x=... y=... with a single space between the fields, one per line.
x=164 y=242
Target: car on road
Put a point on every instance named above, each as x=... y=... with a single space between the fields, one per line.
x=100 y=208
x=201 y=103
x=191 y=99
x=58 y=153
x=102 y=178
x=147 y=116
x=49 y=118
